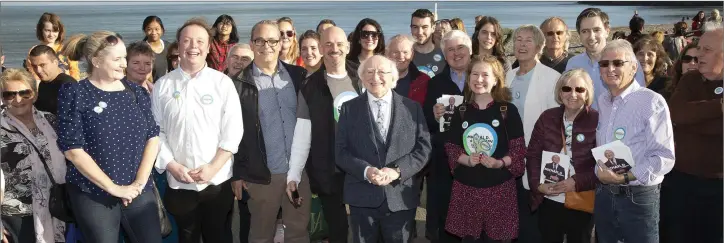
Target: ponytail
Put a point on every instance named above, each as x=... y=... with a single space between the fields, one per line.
x=73 y=48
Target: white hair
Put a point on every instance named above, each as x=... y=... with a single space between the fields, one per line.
x=385 y=61
x=456 y=34
x=401 y=38
x=239 y=46
x=622 y=46
x=710 y=26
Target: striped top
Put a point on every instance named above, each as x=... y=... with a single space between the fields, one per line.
x=643 y=117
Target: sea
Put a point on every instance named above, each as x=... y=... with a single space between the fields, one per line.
x=18 y=19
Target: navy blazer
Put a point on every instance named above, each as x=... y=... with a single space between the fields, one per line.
x=358 y=145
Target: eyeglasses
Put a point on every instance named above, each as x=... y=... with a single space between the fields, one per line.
x=262 y=42
x=110 y=40
x=579 y=90
x=551 y=33
x=367 y=34
x=290 y=33
x=616 y=63
x=25 y=94
x=372 y=72
x=688 y=59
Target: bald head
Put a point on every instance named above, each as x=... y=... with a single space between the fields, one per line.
x=334 y=47
x=711 y=53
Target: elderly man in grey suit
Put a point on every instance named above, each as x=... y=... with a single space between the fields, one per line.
x=382 y=142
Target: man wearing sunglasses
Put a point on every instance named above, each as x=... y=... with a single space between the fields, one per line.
x=44 y=62
x=692 y=193
x=264 y=167
x=627 y=205
x=593 y=27
x=428 y=58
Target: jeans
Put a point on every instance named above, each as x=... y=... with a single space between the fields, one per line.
x=627 y=213
x=100 y=217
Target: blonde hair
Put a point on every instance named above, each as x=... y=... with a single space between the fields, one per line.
x=499 y=92
x=568 y=76
x=293 y=53
x=15 y=74
x=87 y=46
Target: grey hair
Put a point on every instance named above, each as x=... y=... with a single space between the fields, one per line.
x=710 y=26
x=16 y=74
x=538 y=38
x=390 y=63
x=550 y=21
x=621 y=45
x=567 y=77
x=456 y=34
x=238 y=46
x=263 y=22
x=400 y=38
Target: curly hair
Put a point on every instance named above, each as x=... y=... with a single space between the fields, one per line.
x=662 y=59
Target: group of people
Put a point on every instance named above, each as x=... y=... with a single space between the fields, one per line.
x=353 y=118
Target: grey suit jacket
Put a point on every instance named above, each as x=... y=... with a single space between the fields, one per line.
x=358 y=145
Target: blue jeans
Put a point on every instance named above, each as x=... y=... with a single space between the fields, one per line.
x=627 y=213
x=100 y=217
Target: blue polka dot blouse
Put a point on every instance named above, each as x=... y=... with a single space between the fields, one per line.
x=110 y=126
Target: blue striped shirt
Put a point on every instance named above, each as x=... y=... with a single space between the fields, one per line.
x=644 y=117
x=584 y=61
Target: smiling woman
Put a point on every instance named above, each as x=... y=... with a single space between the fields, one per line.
x=51 y=32
x=225 y=36
x=153 y=30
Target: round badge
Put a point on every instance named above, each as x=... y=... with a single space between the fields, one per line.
x=102 y=104
x=619 y=134
x=569 y=130
x=517 y=95
x=340 y=99
x=207 y=99
x=176 y=94
x=580 y=137
x=718 y=90
x=426 y=70
x=434 y=68
x=495 y=123
x=480 y=138
x=98 y=109
x=465 y=124
x=437 y=57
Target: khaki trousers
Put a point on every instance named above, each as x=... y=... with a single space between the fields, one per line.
x=264 y=203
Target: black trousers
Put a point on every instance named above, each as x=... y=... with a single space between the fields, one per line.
x=21 y=229
x=555 y=222
x=205 y=214
x=527 y=221
x=335 y=212
x=439 y=189
x=691 y=209
x=373 y=225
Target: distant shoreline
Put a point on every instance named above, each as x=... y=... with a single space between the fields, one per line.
x=655 y=3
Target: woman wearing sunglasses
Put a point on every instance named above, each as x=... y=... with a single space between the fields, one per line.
x=108 y=133
x=366 y=40
x=686 y=62
x=154 y=30
x=655 y=63
x=569 y=129
x=289 y=53
x=28 y=141
x=225 y=36
x=172 y=56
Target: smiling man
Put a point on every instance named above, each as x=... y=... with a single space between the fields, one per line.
x=412 y=83
x=627 y=204
x=264 y=167
x=196 y=149
x=240 y=56
x=428 y=58
x=44 y=62
x=593 y=27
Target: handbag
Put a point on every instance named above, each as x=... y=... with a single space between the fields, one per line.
x=166 y=226
x=581 y=201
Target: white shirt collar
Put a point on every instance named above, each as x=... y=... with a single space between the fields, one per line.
x=387 y=97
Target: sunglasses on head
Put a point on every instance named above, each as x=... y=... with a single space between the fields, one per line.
x=688 y=59
x=110 y=40
x=367 y=34
x=551 y=33
x=607 y=63
x=579 y=90
x=289 y=33
x=25 y=94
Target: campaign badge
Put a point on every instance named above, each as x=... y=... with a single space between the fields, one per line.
x=718 y=90
x=437 y=57
x=569 y=130
x=619 y=134
x=580 y=137
x=480 y=138
x=207 y=99
x=465 y=124
x=495 y=123
x=341 y=98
